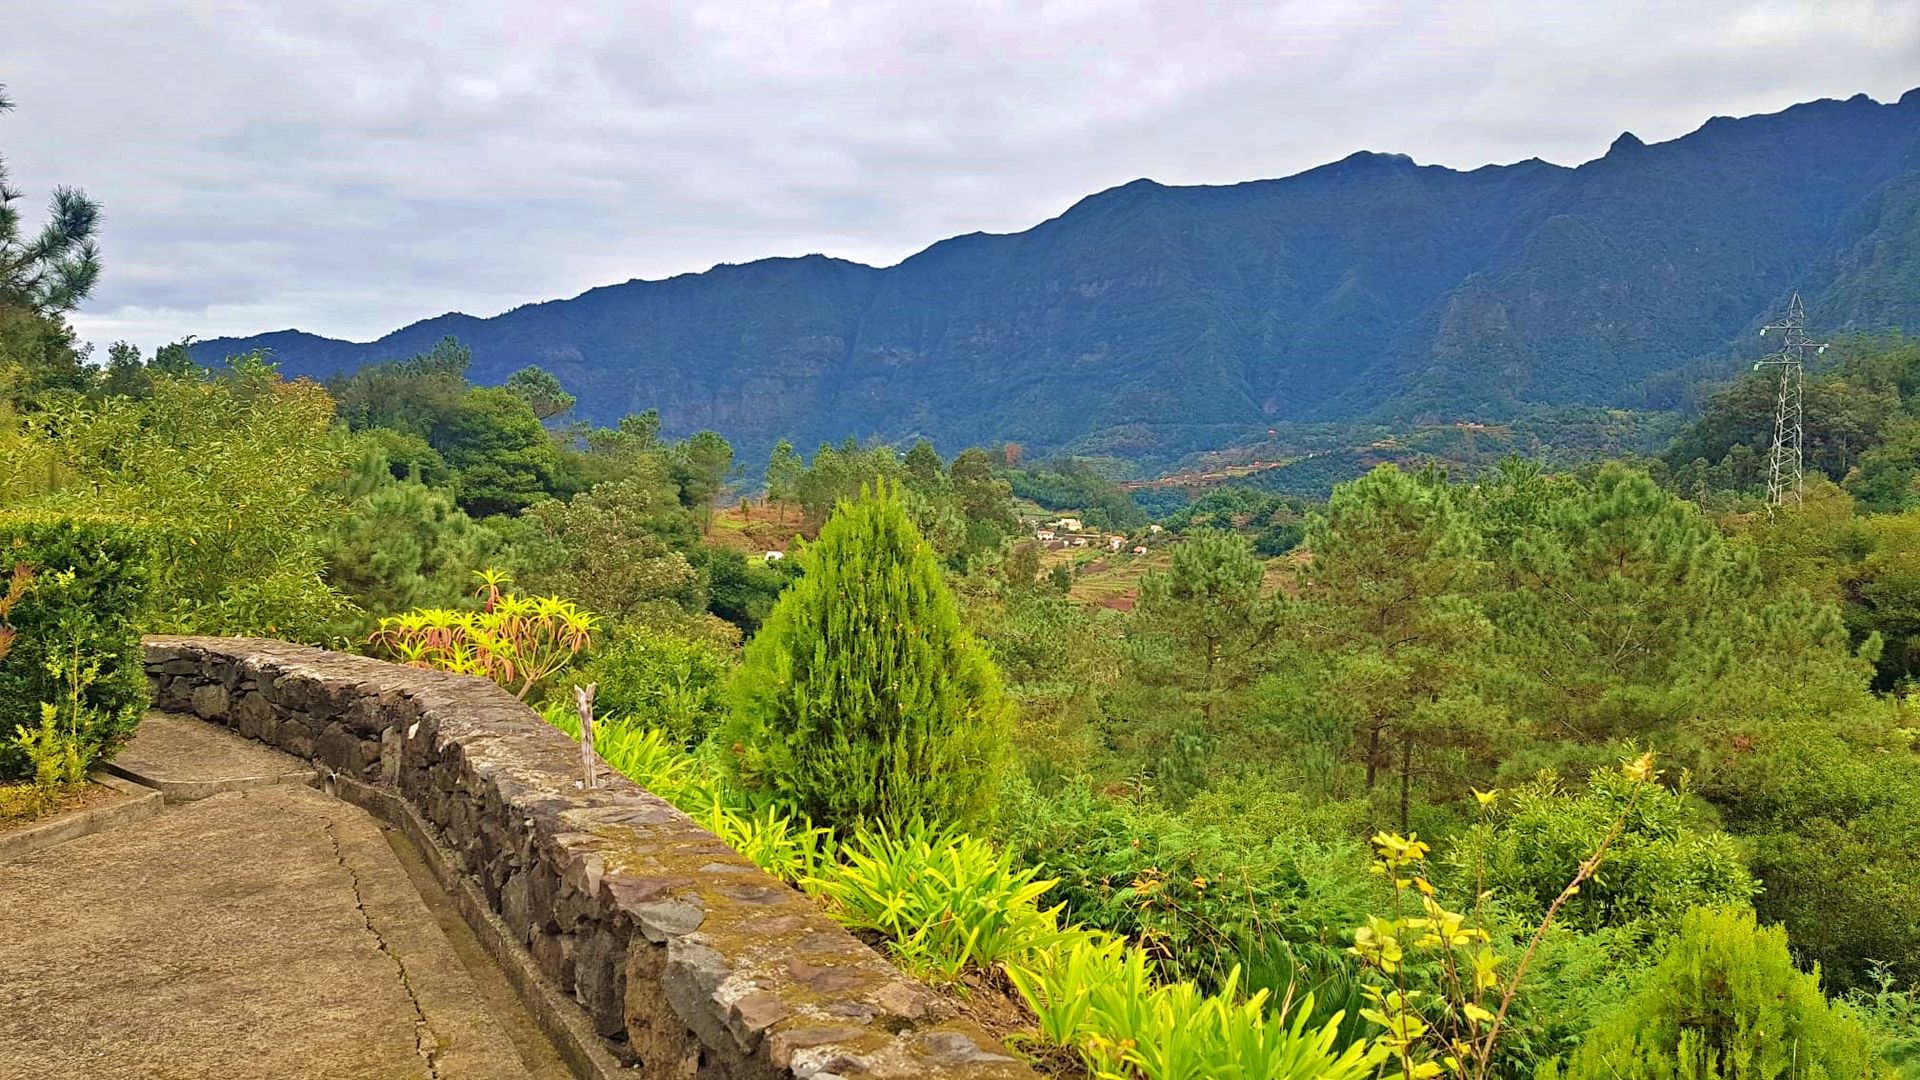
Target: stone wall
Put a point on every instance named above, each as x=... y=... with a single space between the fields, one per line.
x=689 y=960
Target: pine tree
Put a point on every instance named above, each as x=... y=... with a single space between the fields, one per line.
x=496 y=447
x=1624 y=613
x=53 y=271
x=42 y=277
x=862 y=700
x=1389 y=607
x=702 y=465
x=784 y=469
x=401 y=544
x=926 y=473
x=1209 y=612
x=541 y=391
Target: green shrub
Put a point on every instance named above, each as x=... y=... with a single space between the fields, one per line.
x=78 y=618
x=1891 y=1014
x=235 y=473
x=862 y=699
x=659 y=679
x=1830 y=812
x=1663 y=863
x=1241 y=878
x=739 y=590
x=1725 y=1002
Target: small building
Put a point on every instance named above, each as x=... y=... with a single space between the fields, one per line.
x=1155 y=529
x=1044 y=534
x=1079 y=541
x=773 y=556
x=1067 y=524
x=1139 y=549
x=1115 y=543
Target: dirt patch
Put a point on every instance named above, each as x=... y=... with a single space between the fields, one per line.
x=760 y=528
x=990 y=1001
x=87 y=796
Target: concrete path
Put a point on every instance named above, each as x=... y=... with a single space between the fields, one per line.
x=186 y=758
x=270 y=931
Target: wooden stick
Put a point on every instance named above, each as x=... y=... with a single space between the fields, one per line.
x=583 y=700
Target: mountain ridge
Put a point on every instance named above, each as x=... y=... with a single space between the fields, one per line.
x=1147 y=319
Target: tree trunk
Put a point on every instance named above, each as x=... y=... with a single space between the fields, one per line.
x=583 y=702
x=1406 y=779
x=1373 y=755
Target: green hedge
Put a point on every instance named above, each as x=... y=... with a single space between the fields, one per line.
x=90 y=579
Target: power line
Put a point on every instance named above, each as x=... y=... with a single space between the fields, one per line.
x=1785 y=471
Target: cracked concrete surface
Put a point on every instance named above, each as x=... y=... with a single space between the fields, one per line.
x=268 y=932
x=425 y=1042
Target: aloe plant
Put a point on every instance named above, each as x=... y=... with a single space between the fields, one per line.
x=517 y=641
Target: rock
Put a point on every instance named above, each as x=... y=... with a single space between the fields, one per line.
x=210 y=701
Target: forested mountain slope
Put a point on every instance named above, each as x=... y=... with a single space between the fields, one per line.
x=1149 y=320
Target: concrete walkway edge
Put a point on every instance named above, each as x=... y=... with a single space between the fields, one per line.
x=179 y=791
x=186 y=760
x=144 y=803
x=560 y=1019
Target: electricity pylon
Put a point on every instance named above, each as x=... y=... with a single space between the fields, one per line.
x=1785 y=476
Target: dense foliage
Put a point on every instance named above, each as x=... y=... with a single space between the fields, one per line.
x=1077 y=485
x=75 y=591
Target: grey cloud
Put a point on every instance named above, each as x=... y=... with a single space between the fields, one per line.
x=350 y=168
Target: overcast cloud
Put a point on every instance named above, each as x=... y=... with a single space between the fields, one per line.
x=349 y=168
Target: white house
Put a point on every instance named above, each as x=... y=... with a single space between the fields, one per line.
x=773 y=556
x=1115 y=543
x=1043 y=534
x=1067 y=524
x=1139 y=550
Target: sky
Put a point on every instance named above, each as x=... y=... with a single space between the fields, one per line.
x=348 y=168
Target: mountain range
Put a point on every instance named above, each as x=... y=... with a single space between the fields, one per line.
x=1149 y=320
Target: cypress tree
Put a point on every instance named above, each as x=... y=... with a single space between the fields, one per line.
x=862 y=699
x=1725 y=1003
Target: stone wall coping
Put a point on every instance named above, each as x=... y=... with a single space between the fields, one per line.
x=690 y=960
